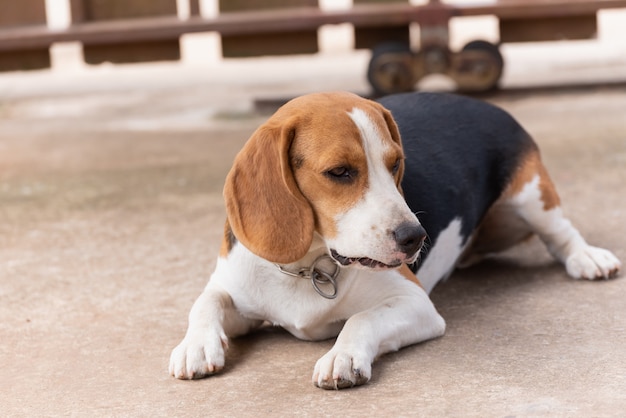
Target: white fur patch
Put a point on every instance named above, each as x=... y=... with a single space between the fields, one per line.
x=443 y=256
x=563 y=240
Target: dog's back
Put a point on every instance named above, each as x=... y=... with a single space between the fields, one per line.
x=460 y=156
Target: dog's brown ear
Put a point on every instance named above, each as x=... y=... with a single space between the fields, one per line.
x=395 y=136
x=265 y=208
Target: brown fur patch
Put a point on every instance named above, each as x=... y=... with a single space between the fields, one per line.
x=501 y=228
x=329 y=138
x=531 y=166
x=331 y=145
x=228 y=241
x=278 y=191
x=265 y=207
x=395 y=137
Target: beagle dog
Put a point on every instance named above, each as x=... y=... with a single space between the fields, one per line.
x=322 y=236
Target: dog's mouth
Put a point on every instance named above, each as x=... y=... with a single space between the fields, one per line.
x=364 y=261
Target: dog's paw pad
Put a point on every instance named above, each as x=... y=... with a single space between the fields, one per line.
x=592 y=263
x=340 y=370
x=195 y=358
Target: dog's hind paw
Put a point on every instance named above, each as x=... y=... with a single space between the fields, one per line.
x=196 y=357
x=339 y=370
x=592 y=263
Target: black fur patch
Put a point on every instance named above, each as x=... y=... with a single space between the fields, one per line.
x=460 y=153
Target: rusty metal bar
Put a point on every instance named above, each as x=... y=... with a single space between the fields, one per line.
x=289 y=20
x=538 y=8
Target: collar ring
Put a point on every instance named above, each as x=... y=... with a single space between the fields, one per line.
x=318 y=276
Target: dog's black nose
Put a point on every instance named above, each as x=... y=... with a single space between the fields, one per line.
x=409 y=238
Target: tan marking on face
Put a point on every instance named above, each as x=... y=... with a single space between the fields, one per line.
x=328 y=139
x=530 y=167
x=327 y=197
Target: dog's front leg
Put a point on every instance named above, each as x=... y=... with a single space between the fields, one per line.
x=392 y=324
x=213 y=318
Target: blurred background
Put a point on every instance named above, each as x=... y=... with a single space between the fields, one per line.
x=520 y=43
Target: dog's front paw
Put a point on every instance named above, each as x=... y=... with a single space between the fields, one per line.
x=592 y=263
x=340 y=369
x=198 y=356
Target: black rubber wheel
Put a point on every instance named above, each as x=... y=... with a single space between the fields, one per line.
x=390 y=69
x=494 y=51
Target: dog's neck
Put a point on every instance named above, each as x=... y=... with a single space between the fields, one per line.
x=318 y=266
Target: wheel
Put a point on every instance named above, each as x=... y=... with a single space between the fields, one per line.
x=487 y=47
x=480 y=66
x=390 y=69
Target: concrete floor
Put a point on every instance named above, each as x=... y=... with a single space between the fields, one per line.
x=110 y=218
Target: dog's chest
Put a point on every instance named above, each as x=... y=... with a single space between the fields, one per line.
x=259 y=290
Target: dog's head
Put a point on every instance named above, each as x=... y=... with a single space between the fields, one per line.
x=330 y=164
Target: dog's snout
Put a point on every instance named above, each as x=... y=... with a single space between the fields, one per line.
x=409 y=238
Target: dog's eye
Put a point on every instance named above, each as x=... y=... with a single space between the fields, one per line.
x=341 y=174
x=396 y=167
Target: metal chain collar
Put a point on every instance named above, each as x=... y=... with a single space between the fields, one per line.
x=318 y=276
